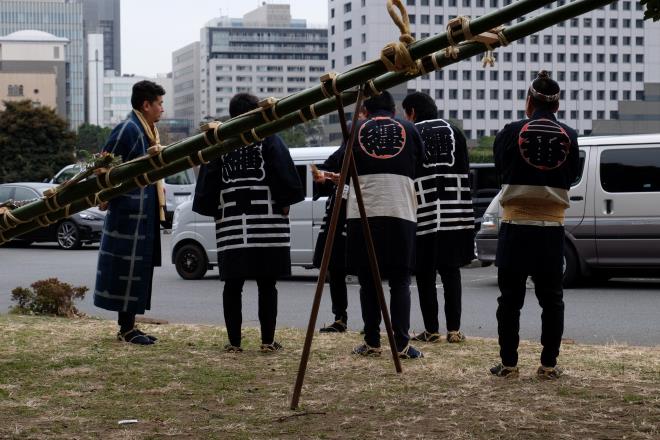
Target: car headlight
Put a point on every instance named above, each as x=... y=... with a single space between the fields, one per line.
x=490 y=222
x=85 y=215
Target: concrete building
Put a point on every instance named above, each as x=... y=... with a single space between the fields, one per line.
x=266 y=53
x=186 y=76
x=103 y=17
x=32 y=66
x=95 y=75
x=598 y=59
x=117 y=91
x=62 y=18
x=634 y=117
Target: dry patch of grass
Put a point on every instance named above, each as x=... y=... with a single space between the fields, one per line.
x=70 y=379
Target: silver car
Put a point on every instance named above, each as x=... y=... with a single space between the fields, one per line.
x=84 y=227
x=193 y=245
x=613 y=223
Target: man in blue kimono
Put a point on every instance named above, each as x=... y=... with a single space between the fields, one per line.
x=249 y=192
x=445 y=217
x=130 y=244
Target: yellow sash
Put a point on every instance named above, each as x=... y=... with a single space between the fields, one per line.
x=154 y=139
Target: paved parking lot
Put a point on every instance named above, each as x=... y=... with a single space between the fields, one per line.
x=621 y=311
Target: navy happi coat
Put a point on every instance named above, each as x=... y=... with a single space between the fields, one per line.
x=537 y=160
x=130 y=244
x=387 y=151
x=445 y=216
x=246 y=191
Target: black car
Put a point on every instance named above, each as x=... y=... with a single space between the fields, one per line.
x=70 y=233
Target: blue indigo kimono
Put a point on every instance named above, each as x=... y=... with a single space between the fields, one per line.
x=130 y=245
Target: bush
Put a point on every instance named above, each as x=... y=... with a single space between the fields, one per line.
x=48 y=297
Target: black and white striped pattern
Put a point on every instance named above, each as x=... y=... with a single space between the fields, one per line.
x=444 y=203
x=248 y=220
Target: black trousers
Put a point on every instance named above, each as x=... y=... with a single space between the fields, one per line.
x=399 y=308
x=126 y=321
x=232 y=305
x=428 y=298
x=549 y=292
x=338 y=294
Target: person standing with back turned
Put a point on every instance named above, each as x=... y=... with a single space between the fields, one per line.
x=537 y=160
x=445 y=217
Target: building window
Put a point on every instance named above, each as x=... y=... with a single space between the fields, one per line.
x=348 y=59
x=15 y=90
x=348 y=42
x=494 y=94
x=347 y=25
x=347 y=7
x=467 y=75
x=467 y=94
x=439 y=94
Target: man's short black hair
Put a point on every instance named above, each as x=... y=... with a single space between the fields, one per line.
x=241 y=103
x=145 y=91
x=382 y=102
x=423 y=104
x=546 y=90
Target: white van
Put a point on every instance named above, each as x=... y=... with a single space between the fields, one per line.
x=194 y=248
x=613 y=223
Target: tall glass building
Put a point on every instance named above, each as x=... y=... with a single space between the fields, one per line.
x=62 y=18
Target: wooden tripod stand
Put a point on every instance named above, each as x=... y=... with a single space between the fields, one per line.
x=348 y=166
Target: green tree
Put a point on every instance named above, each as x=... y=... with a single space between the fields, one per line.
x=92 y=137
x=483 y=152
x=35 y=142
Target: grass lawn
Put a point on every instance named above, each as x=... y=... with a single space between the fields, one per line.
x=63 y=378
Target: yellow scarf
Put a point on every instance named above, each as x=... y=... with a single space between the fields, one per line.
x=154 y=139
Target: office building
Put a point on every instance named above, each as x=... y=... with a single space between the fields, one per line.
x=266 y=53
x=186 y=78
x=598 y=59
x=64 y=19
x=33 y=68
x=103 y=17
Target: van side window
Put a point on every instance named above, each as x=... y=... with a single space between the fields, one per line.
x=180 y=178
x=630 y=170
x=302 y=172
x=583 y=156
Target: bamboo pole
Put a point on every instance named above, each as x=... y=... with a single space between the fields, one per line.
x=245 y=125
x=388 y=80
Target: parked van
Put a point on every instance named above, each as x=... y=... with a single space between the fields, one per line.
x=193 y=245
x=613 y=223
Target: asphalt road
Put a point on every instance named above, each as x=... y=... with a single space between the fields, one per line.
x=619 y=311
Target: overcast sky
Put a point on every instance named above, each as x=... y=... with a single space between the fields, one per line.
x=152 y=29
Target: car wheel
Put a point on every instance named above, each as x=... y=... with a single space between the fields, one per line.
x=571 y=269
x=191 y=262
x=68 y=235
